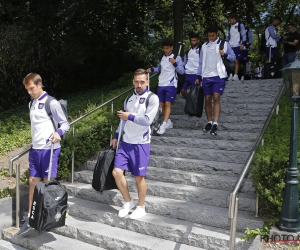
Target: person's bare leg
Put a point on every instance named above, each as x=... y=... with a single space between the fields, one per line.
x=142 y=189
x=237 y=66
x=217 y=106
x=167 y=112
x=121 y=183
x=208 y=107
x=32 y=183
x=184 y=93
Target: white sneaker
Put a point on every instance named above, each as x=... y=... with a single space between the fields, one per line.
x=169 y=124
x=127 y=206
x=230 y=77
x=242 y=78
x=139 y=212
x=235 y=78
x=162 y=128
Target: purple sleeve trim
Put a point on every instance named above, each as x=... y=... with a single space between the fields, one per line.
x=175 y=64
x=131 y=117
x=59 y=131
x=152 y=69
x=225 y=55
x=116 y=136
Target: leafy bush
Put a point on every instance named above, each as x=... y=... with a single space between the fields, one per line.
x=271 y=161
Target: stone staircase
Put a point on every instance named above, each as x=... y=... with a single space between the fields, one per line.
x=190 y=177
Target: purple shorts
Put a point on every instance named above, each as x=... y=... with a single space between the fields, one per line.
x=189 y=81
x=212 y=85
x=239 y=54
x=167 y=93
x=273 y=53
x=244 y=55
x=133 y=158
x=39 y=160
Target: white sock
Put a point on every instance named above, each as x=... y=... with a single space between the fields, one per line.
x=210 y=122
x=28 y=215
x=235 y=75
x=216 y=123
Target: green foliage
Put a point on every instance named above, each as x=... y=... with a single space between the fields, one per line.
x=6 y=192
x=271 y=161
x=262 y=231
x=15 y=123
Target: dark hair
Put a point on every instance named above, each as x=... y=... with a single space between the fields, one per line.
x=291 y=24
x=212 y=28
x=167 y=42
x=232 y=15
x=278 y=18
x=193 y=35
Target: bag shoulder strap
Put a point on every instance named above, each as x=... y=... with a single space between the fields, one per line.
x=48 y=110
x=148 y=97
x=221 y=46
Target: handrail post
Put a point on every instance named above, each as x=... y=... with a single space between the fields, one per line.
x=73 y=158
x=233 y=225
x=256 y=205
x=112 y=112
x=18 y=196
x=10 y=167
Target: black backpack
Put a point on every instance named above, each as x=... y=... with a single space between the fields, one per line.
x=263 y=42
x=229 y=66
x=158 y=119
x=102 y=176
x=63 y=104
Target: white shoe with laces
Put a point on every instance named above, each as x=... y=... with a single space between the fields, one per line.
x=139 y=212
x=162 y=128
x=127 y=206
x=169 y=124
x=230 y=78
x=235 y=78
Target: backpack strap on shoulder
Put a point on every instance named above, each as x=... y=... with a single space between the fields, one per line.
x=148 y=97
x=48 y=110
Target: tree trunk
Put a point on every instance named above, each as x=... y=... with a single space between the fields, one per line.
x=178 y=25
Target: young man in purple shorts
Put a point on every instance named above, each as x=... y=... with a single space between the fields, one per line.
x=237 y=40
x=213 y=73
x=191 y=63
x=168 y=67
x=134 y=150
x=43 y=135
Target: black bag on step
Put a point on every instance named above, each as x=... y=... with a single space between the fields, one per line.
x=49 y=206
x=194 y=102
x=102 y=177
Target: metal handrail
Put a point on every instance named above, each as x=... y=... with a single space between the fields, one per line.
x=27 y=150
x=233 y=202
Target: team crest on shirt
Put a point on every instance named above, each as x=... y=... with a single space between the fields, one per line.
x=41 y=105
x=142 y=100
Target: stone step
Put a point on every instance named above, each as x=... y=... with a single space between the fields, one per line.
x=200 y=154
x=46 y=240
x=182 y=210
x=227 y=135
x=190 y=165
x=111 y=237
x=6 y=245
x=222 y=119
x=198 y=192
x=182 y=232
x=200 y=143
x=206 y=180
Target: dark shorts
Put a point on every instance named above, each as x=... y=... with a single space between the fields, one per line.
x=167 y=93
x=133 y=158
x=239 y=54
x=39 y=160
x=212 y=85
x=189 y=81
x=244 y=55
x=273 y=53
